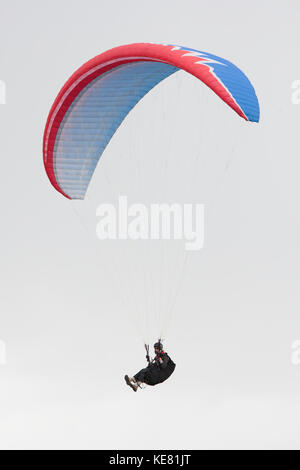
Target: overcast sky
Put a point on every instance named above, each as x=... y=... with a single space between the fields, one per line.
x=68 y=302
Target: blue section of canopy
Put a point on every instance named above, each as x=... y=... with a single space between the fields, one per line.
x=234 y=80
x=93 y=118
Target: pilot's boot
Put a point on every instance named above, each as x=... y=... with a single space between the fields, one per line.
x=131 y=382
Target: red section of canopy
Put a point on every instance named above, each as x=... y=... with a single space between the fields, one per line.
x=109 y=60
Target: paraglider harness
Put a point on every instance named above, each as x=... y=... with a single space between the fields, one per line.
x=158 y=373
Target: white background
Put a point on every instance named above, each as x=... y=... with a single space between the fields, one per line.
x=69 y=339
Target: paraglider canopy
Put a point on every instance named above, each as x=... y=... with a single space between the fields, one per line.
x=99 y=95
